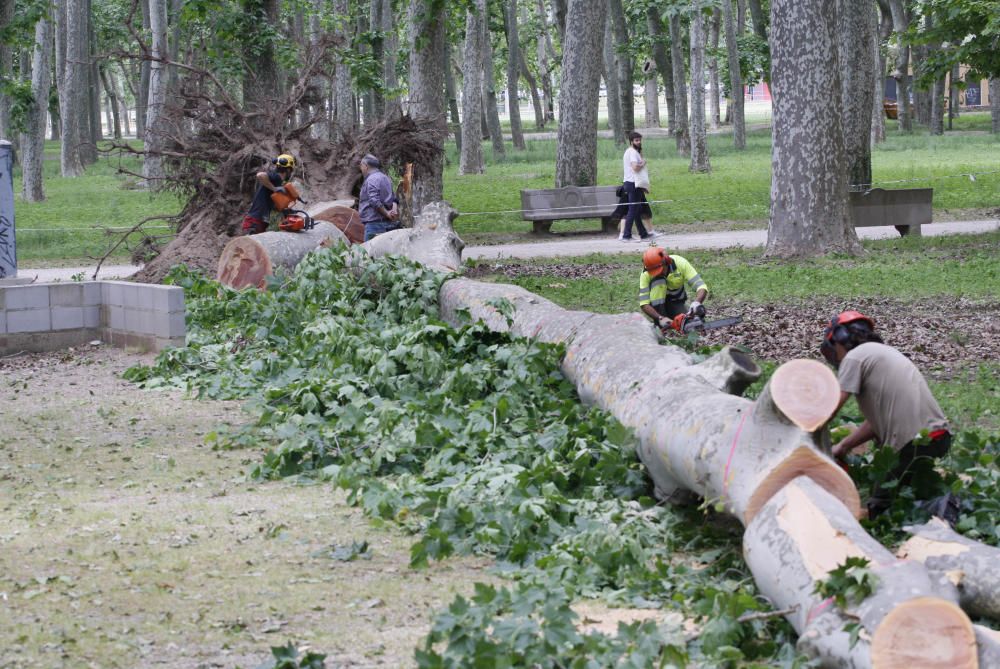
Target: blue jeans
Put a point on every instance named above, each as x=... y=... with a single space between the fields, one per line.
x=375 y=228
x=636 y=198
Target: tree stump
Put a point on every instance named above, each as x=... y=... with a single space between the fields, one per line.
x=249 y=260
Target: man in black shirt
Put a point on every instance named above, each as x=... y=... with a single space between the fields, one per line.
x=271 y=181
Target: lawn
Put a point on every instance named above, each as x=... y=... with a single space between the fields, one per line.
x=70 y=223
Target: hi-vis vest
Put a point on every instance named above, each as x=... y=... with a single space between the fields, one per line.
x=670 y=287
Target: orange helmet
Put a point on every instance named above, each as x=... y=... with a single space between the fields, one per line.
x=839 y=332
x=654 y=259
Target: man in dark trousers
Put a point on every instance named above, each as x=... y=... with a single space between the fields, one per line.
x=893 y=396
x=376 y=202
x=270 y=181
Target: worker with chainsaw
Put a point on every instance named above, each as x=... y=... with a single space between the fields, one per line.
x=268 y=182
x=897 y=405
x=376 y=202
x=663 y=287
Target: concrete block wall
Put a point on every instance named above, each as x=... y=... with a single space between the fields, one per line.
x=51 y=316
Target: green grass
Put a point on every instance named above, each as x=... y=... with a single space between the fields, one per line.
x=737 y=189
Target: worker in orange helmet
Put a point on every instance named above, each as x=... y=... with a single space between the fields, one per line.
x=893 y=397
x=663 y=287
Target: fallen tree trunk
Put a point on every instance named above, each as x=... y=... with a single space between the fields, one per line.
x=431 y=241
x=989 y=646
x=910 y=619
x=971 y=566
x=249 y=260
x=695 y=433
x=341 y=215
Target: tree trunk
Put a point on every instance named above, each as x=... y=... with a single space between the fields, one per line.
x=953 y=79
x=714 y=118
x=855 y=35
x=142 y=94
x=882 y=19
x=810 y=212
x=452 y=96
x=614 y=98
x=576 y=151
x=560 y=10
x=471 y=158
x=513 y=71
x=546 y=56
x=971 y=566
x=735 y=78
x=33 y=138
x=536 y=102
x=800 y=535
x=73 y=96
x=900 y=24
x=248 y=261
x=92 y=129
x=152 y=166
x=6 y=67
x=375 y=26
x=431 y=241
x=490 y=104
x=938 y=106
x=261 y=76
x=652 y=100
x=995 y=105
x=922 y=99
x=426 y=22
x=699 y=140
x=681 y=131
x=757 y=18
x=663 y=64
x=345 y=118
x=623 y=63
x=391 y=47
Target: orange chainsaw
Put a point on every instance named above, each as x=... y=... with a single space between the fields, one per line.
x=292 y=220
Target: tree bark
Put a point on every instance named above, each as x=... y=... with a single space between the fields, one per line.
x=652 y=101
x=714 y=118
x=681 y=132
x=375 y=23
x=613 y=97
x=142 y=93
x=699 y=140
x=938 y=106
x=758 y=19
x=451 y=95
x=576 y=151
x=345 y=118
x=390 y=60
x=152 y=166
x=536 y=102
x=513 y=71
x=882 y=18
x=953 y=79
x=623 y=63
x=109 y=90
x=800 y=535
x=426 y=34
x=490 y=98
x=73 y=96
x=810 y=212
x=900 y=24
x=92 y=128
x=6 y=67
x=654 y=24
x=855 y=35
x=471 y=158
x=735 y=78
x=546 y=58
x=261 y=77
x=969 y=565
x=560 y=9
x=248 y=261
x=995 y=105
x=33 y=138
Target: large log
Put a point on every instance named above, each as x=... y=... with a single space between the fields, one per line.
x=341 y=214
x=973 y=567
x=911 y=619
x=249 y=260
x=431 y=241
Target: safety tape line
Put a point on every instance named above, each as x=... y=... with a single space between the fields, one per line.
x=732 y=450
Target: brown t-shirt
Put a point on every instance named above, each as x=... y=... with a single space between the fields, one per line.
x=891 y=392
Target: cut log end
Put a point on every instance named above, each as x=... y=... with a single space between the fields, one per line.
x=806 y=392
x=243 y=263
x=346 y=219
x=805 y=461
x=925 y=632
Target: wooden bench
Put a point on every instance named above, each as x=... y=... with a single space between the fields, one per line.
x=544 y=206
x=905 y=208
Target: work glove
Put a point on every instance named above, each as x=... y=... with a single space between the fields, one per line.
x=696 y=309
x=663 y=323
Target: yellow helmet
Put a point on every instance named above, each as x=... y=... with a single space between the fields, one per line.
x=285 y=160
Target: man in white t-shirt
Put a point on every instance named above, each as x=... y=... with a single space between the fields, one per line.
x=635 y=183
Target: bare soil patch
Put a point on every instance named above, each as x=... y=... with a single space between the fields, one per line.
x=125 y=541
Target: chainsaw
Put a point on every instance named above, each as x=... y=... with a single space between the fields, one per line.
x=292 y=220
x=684 y=324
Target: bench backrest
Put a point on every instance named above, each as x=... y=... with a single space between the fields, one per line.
x=570 y=202
x=903 y=206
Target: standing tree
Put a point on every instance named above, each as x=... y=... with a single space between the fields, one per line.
x=6 y=66
x=713 y=70
x=855 y=35
x=576 y=151
x=490 y=97
x=152 y=166
x=262 y=82
x=810 y=213
x=471 y=158
x=513 y=71
x=73 y=93
x=611 y=86
x=699 y=140
x=882 y=19
x=995 y=104
x=345 y=117
x=681 y=132
x=735 y=78
x=654 y=24
x=426 y=20
x=546 y=59
x=901 y=73
x=33 y=138
x=623 y=65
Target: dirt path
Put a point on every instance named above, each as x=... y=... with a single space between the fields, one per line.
x=125 y=541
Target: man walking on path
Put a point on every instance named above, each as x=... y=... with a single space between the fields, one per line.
x=894 y=399
x=662 y=293
x=376 y=203
x=635 y=182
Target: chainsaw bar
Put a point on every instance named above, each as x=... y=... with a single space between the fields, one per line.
x=720 y=323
